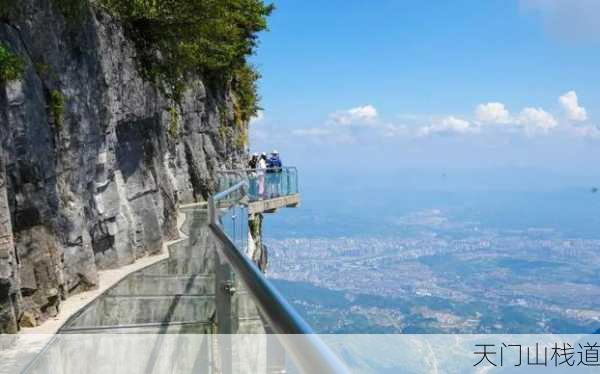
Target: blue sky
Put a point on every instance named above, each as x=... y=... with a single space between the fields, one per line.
x=492 y=84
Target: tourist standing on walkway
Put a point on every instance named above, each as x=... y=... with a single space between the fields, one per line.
x=274 y=174
x=261 y=167
x=253 y=163
x=252 y=176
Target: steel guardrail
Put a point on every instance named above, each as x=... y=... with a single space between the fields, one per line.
x=308 y=351
x=281 y=181
x=226 y=171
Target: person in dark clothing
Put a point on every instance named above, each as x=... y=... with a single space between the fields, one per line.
x=252 y=176
x=274 y=162
x=253 y=161
x=274 y=166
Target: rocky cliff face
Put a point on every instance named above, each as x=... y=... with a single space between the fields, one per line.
x=93 y=159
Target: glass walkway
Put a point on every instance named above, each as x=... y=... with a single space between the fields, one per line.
x=207 y=308
x=176 y=295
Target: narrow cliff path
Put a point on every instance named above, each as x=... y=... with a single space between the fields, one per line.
x=154 y=313
x=107 y=280
x=17 y=350
x=175 y=294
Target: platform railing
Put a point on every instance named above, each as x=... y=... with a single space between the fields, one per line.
x=307 y=351
x=262 y=184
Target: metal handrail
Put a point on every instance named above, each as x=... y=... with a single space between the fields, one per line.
x=254 y=170
x=308 y=352
x=212 y=211
x=286 y=184
x=229 y=191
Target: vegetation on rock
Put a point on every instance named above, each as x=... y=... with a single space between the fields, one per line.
x=245 y=88
x=208 y=37
x=57 y=107
x=11 y=65
x=176 y=39
x=173 y=122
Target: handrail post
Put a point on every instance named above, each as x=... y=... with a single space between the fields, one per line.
x=223 y=313
x=212 y=214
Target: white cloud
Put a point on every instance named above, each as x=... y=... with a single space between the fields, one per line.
x=536 y=119
x=570 y=104
x=313 y=131
x=345 y=126
x=390 y=130
x=360 y=115
x=448 y=125
x=495 y=113
x=590 y=132
x=531 y=120
x=363 y=123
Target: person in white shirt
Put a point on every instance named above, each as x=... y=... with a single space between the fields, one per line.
x=261 y=168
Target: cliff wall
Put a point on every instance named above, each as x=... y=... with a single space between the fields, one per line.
x=93 y=158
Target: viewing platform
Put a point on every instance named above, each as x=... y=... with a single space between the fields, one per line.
x=268 y=190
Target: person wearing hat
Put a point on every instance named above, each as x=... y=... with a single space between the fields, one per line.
x=274 y=161
x=274 y=178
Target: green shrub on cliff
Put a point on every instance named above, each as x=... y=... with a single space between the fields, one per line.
x=57 y=107
x=173 y=122
x=245 y=88
x=11 y=65
x=208 y=37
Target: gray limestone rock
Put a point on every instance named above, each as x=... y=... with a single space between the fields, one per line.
x=97 y=188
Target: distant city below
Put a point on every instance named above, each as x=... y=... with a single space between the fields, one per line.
x=441 y=262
